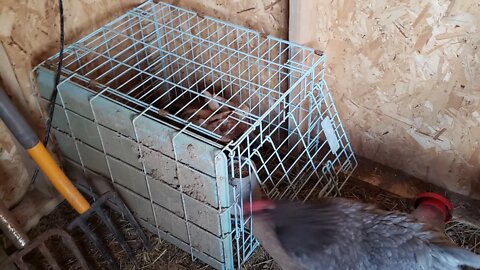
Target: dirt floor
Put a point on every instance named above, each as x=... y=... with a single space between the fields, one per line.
x=166 y=256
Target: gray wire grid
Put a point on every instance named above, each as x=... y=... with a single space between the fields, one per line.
x=261 y=101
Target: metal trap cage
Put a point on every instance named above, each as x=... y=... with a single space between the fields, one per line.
x=186 y=115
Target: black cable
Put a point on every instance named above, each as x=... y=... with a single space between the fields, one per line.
x=53 y=96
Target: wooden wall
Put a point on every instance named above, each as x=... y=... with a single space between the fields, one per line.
x=406 y=78
x=405 y=74
x=29 y=33
x=266 y=16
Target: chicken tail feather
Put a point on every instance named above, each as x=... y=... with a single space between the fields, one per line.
x=461 y=257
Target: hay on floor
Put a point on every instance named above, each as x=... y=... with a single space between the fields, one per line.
x=167 y=256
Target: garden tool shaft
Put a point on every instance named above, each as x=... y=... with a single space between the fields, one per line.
x=35 y=148
x=11 y=228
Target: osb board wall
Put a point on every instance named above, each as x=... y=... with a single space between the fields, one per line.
x=29 y=34
x=269 y=17
x=406 y=79
x=404 y=75
x=13 y=174
x=266 y=16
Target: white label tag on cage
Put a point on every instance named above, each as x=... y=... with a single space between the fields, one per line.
x=330 y=134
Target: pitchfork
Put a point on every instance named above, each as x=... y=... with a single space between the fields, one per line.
x=13 y=231
x=37 y=151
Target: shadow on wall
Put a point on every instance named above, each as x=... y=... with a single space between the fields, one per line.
x=29 y=34
x=14 y=175
x=405 y=80
x=396 y=148
x=270 y=17
x=81 y=18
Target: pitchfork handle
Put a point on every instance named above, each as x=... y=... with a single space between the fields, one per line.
x=37 y=151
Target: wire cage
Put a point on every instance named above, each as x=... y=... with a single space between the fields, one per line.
x=186 y=115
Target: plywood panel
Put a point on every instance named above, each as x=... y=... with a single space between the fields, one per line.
x=405 y=76
x=28 y=34
x=266 y=16
x=14 y=174
x=32 y=35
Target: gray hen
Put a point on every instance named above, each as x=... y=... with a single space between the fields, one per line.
x=337 y=233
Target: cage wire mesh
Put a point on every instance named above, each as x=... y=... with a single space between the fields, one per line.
x=258 y=103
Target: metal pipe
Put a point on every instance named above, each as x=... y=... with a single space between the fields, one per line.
x=16 y=123
x=11 y=228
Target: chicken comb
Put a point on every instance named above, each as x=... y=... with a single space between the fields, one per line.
x=257 y=206
x=435 y=200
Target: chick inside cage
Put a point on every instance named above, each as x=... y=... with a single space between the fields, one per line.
x=186 y=115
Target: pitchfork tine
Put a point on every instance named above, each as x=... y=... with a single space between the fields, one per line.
x=68 y=241
x=99 y=244
x=111 y=200
x=49 y=256
x=129 y=216
x=40 y=244
x=116 y=232
x=21 y=265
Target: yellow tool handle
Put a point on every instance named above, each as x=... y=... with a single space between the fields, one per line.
x=58 y=179
x=35 y=148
